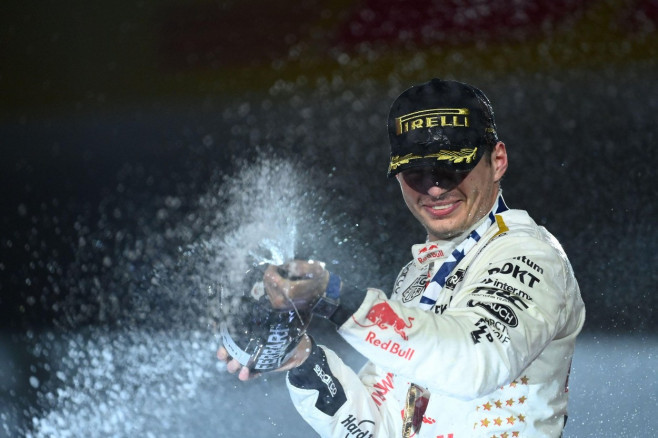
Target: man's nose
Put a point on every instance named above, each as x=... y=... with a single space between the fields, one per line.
x=436 y=190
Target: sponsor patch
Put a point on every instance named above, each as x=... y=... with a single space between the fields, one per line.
x=454 y=279
x=530 y=263
x=482 y=330
x=358 y=428
x=500 y=311
x=430 y=252
x=383 y=316
x=381 y=388
x=326 y=379
x=440 y=308
x=523 y=275
x=401 y=277
x=389 y=346
x=315 y=374
x=453 y=117
x=495 y=283
x=502 y=295
x=499 y=329
x=416 y=288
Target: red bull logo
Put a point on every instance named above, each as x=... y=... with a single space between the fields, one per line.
x=431 y=247
x=383 y=316
x=430 y=252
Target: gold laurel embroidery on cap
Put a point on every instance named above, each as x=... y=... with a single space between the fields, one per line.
x=455 y=117
x=464 y=155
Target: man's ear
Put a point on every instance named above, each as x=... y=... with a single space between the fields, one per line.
x=499 y=160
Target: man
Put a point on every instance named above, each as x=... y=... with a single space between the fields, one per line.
x=478 y=335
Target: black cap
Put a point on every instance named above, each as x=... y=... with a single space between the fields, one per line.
x=440 y=123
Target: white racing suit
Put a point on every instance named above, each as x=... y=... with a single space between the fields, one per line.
x=485 y=355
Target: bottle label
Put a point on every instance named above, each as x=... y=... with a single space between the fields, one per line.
x=234 y=351
x=274 y=349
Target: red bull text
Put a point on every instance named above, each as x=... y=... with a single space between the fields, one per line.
x=390 y=346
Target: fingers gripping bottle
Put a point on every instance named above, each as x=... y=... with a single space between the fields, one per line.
x=255 y=334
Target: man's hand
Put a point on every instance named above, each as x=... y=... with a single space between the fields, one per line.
x=301 y=353
x=295 y=284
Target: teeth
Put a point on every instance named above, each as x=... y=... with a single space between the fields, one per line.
x=442 y=207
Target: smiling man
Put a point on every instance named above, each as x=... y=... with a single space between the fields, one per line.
x=439 y=133
x=449 y=203
x=477 y=337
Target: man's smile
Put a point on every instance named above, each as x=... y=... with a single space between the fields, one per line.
x=442 y=209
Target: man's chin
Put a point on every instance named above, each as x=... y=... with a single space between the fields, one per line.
x=444 y=233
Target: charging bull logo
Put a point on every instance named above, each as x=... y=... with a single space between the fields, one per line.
x=383 y=316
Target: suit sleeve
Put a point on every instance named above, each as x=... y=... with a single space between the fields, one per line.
x=513 y=301
x=333 y=400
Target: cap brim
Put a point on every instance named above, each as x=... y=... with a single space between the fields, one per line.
x=450 y=165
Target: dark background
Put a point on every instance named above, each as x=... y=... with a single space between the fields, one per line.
x=117 y=118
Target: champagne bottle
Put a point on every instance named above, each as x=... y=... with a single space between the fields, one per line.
x=255 y=334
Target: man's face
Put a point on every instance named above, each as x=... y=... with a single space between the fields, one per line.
x=448 y=203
